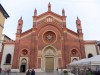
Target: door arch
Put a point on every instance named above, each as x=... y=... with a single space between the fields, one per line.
x=49 y=59
x=23 y=65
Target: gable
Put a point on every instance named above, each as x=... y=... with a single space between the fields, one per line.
x=72 y=33
x=49 y=17
x=49 y=13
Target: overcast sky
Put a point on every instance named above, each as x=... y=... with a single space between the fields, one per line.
x=88 y=12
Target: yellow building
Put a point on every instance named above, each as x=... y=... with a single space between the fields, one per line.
x=3 y=16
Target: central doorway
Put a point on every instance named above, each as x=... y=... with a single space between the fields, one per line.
x=23 y=65
x=49 y=59
x=49 y=64
x=22 y=68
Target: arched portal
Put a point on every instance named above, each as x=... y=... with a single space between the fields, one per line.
x=49 y=59
x=23 y=65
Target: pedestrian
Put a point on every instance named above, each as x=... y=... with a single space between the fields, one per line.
x=57 y=69
x=28 y=72
x=61 y=70
x=5 y=71
x=0 y=70
x=8 y=71
x=32 y=72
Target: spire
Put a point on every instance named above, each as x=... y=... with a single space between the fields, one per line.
x=78 y=21
x=35 y=12
x=78 y=25
x=19 y=27
x=20 y=21
x=20 y=18
x=49 y=7
x=77 y=18
x=63 y=12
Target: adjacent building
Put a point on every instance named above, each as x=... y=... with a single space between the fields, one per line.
x=3 y=39
x=48 y=45
x=3 y=16
x=98 y=44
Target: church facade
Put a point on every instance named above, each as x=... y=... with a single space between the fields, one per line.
x=48 y=45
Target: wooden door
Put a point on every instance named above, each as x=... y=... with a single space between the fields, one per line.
x=49 y=64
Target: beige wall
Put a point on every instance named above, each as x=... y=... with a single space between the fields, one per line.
x=1 y=29
x=90 y=48
x=2 y=20
x=98 y=49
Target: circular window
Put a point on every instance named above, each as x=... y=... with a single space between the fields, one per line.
x=74 y=51
x=24 y=52
x=49 y=37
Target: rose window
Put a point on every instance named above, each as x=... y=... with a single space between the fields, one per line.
x=49 y=37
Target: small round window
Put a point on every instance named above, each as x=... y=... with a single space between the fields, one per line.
x=74 y=52
x=24 y=52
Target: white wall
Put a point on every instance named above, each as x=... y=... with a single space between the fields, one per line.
x=8 y=48
x=90 y=48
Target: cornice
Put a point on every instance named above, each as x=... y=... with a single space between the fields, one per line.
x=4 y=12
x=90 y=42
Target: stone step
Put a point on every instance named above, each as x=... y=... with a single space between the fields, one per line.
x=38 y=73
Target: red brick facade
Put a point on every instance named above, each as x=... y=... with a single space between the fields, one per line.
x=49 y=29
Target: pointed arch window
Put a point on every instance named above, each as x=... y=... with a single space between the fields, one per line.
x=75 y=59
x=8 y=59
x=90 y=55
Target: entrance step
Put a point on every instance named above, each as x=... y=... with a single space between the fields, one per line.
x=37 y=73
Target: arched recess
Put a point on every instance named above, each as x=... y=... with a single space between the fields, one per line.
x=75 y=54
x=56 y=25
x=59 y=30
x=8 y=59
x=49 y=58
x=90 y=55
x=23 y=65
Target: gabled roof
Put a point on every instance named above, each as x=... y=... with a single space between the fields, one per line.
x=26 y=32
x=3 y=11
x=6 y=37
x=73 y=32
x=50 y=12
